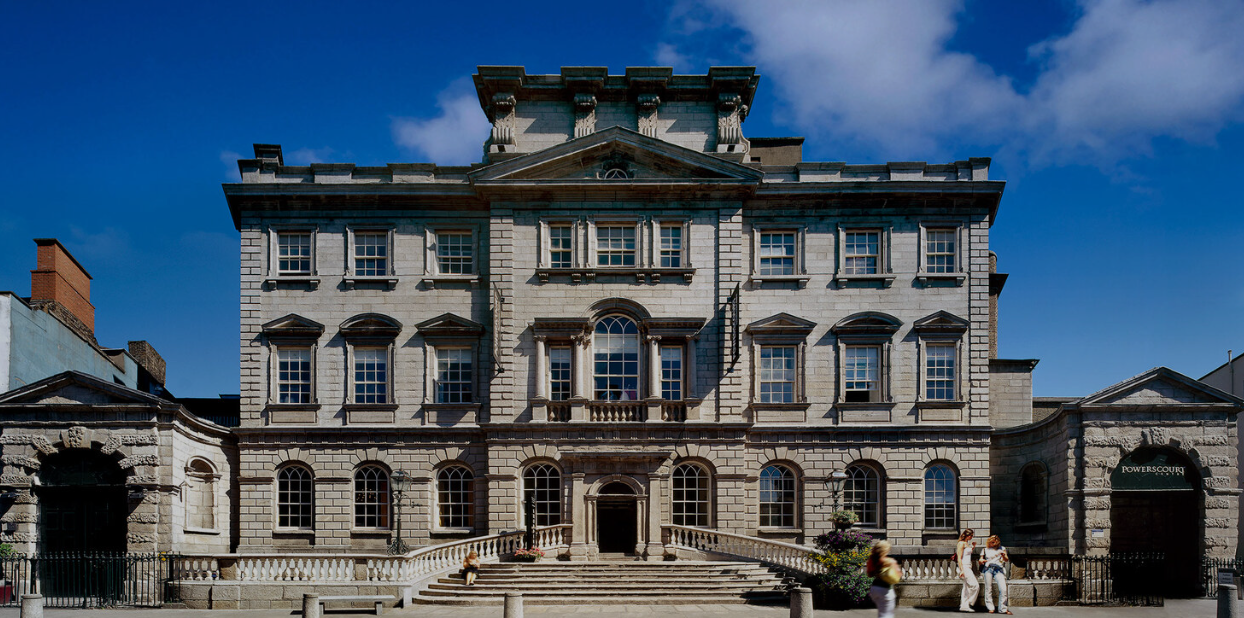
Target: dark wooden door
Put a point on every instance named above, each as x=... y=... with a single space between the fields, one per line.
x=1161 y=521
x=616 y=526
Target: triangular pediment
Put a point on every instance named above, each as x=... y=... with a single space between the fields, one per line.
x=637 y=159
x=449 y=324
x=782 y=322
x=293 y=325
x=76 y=388
x=940 y=322
x=1160 y=386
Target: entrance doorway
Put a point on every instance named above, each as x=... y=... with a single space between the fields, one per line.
x=82 y=505
x=616 y=519
x=1156 y=505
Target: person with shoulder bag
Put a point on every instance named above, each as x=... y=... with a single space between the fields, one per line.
x=885 y=573
x=993 y=564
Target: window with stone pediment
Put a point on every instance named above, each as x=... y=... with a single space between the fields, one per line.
x=371 y=497
x=864 y=342
x=691 y=495
x=861 y=494
x=295 y=498
x=294 y=375
x=777 y=497
x=616 y=359
x=543 y=482
x=455 y=497
x=941 y=497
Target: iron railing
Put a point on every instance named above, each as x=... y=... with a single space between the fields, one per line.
x=1120 y=579
x=1209 y=572
x=91 y=579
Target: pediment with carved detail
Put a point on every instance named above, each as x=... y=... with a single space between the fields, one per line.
x=1160 y=387
x=781 y=324
x=617 y=155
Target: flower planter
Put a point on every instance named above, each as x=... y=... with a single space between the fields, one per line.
x=526 y=558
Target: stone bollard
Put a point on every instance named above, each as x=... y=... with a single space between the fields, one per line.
x=801 y=602
x=32 y=606
x=1227 y=607
x=310 y=605
x=513 y=605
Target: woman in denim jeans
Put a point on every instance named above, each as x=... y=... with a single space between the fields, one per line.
x=993 y=564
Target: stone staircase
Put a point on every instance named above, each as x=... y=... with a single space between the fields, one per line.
x=552 y=582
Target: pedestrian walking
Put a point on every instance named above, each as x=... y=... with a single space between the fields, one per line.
x=963 y=558
x=885 y=573
x=993 y=564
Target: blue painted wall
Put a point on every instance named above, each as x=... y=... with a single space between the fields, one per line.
x=40 y=346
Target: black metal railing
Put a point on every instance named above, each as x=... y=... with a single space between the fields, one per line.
x=1209 y=572
x=91 y=579
x=1119 y=579
x=222 y=420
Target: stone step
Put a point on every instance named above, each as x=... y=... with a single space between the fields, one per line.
x=776 y=599
x=621 y=586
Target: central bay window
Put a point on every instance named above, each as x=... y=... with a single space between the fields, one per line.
x=615 y=245
x=864 y=344
x=690 y=499
x=295 y=498
x=616 y=360
x=455 y=497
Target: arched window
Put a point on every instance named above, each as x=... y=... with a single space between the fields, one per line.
x=295 y=498
x=777 y=497
x=941 y=498
x=455 y=492
x=371 y=497
x=200 y=495
x=861 y=493
x=617 y=359
x=1033 y=488
x=543 y=483
x=690 y=501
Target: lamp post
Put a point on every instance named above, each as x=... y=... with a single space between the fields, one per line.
x=399 y=482
x=834 y=485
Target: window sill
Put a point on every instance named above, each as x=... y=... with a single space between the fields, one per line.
x=191 y=530
x=885 y=279
x=351 y=281
x=802 y=279
x=451 y=531
x=370 y=532
x=957 y=278
x=641 y=274
x=293 y=532
x=430 y=281
x=310 y=281
x=930 y=403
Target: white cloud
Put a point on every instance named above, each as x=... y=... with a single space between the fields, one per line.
x=230 y=159
x=668 y=56
x=881 y=75
x=307 y=156
x=455 y=137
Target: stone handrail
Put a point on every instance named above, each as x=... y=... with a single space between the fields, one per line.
x=352 y=567
x=784 y=555
x=617 y=411
x=924 y=568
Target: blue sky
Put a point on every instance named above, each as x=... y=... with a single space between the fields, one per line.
x=1118 y=124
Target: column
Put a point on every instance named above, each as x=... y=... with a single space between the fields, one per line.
x=691 y=370
x=542 y=383
x=654 y=367
x=578 y=534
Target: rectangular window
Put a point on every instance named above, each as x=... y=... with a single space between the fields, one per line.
x=371 y=254
x=615 y=245
x=861 y=253
x=777 y=374
x=671 y=246
x=939 y=372
x=559 y=374
x=671 y=373
x=293 y=375
x=453 y=375
x=939 y=251
x=777 y=253
x=455 y=253
x=293 y=253
x=561 y=246
x=371 y=375
x=861 y=373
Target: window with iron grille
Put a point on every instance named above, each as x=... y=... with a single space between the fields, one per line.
x=939 y=251
x=941 y=498
x=455 y=253
x=939 y=371
x=615 y=245
x=293 y=253
x=371 y=375
x=616 y=373
x=295 y=498
x=293 y=375
x=862 y=250
x=777 y=374
x=861 y=373
x=777 y=253
x=561 y=246
x=455 y=492
x=371 y=254
x=689 y=505
x=671 y=373
x=454 y=375
x=671 y=246
x=371 y=497
x=560 y=373
x=777 y=497
x=543 y=483
x=861 y=494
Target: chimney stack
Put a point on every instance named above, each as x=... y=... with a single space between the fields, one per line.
x=61 y=286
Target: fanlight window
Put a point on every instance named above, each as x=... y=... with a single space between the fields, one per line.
x=690 y=504
x=617 y=359
x=862 y=494
x=371 y=497
x=777 y=497
x=543 y=483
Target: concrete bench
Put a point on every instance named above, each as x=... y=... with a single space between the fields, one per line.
x=378 y=599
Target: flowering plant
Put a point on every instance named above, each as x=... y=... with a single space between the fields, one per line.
x=844 y=518
x=531 y=553
x=843 y=553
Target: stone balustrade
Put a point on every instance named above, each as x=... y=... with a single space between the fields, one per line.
x=617 y=412
x=774 y=553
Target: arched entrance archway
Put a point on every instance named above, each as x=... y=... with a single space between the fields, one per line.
x=617 y=516
x=1157 y=505
x=82 y=505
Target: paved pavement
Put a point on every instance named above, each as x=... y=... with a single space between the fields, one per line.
x=1200 y=608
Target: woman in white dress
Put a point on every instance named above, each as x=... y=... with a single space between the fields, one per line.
x=963 y=558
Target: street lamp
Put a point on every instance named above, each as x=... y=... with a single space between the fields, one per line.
x=399 y=482
x=834 y=485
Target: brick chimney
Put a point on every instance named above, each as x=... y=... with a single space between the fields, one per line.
x=62 y=287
